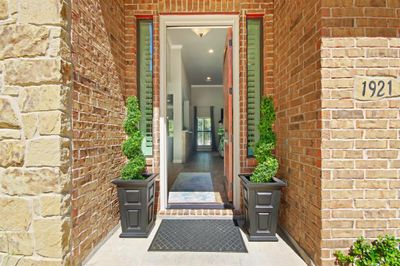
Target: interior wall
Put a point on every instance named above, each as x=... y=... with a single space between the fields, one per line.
x=98 y=113
x=297 y=76
x=179 y=87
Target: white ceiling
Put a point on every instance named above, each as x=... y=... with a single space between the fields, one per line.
x=198 y=62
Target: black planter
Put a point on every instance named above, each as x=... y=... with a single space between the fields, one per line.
x=261 y=204
x=136 y=206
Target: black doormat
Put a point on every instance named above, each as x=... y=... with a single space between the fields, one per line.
x=198 y=235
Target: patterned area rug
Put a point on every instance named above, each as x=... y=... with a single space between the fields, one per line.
x=198 y=235
x=192 y=188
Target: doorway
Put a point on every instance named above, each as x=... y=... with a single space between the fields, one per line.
x=189 y=140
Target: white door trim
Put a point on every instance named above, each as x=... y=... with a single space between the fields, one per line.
x=198 y=20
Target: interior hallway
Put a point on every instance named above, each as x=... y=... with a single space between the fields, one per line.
x=202 y=162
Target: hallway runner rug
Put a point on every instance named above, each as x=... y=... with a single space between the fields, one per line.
x=192 y=188
x=198 y=235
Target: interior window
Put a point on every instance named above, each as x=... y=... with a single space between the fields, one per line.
x=204 y=131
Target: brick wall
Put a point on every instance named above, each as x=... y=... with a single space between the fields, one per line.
x=135 y=9
x=297 y=94
x=98 y=113
x=361 y=18
x=35 y=132
x=360 y=143
x=360 y=169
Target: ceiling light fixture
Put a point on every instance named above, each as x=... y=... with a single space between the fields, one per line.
x=211 y=51
x=208 y=79
x=201 y=32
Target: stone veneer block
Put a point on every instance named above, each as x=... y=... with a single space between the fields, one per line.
x=30 y=261
x=30 y=124
x=32 y=71
x=40 y=12
x=8 y=116
x=17 y=243
x=43 y=98
x=3 y=9
x=11 y=153
x=15 y=220
x=10 y=134
x=50 y=205
x=10 y=90
x=44 y=151
x=54 y=123
x=17 y=181
x=51 y=237
x=13 y=42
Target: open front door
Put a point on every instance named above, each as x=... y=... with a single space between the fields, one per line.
x=228 y=116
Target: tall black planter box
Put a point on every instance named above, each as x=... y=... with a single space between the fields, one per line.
x=261 y=204
x=136 y=206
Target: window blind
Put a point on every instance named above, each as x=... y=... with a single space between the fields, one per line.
x=254 y=81
x=145 y=82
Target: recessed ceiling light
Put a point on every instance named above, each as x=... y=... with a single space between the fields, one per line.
x=211 y=51
x=208 y=78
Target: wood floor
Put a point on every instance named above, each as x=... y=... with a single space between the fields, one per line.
x=202 y=162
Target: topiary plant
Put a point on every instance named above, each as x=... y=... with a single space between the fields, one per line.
x=132 y=147
x=383 y=252
x=267 y=163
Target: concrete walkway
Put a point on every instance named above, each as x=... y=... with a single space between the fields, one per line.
x=130 y=251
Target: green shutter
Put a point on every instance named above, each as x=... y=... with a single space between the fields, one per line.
x=145 y=81
x=254 y=81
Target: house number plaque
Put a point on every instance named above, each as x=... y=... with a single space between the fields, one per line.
x=375 y=88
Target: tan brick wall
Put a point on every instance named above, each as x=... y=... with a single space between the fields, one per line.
x=35 y=132
x=98 y=113
x=360 y=144
x=297 y=92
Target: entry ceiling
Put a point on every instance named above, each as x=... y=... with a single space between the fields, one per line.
x=199 y=63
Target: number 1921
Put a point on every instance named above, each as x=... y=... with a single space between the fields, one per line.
x=377 y=88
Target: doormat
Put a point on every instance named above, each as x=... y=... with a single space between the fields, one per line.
x=198 y=235
x=192 y=188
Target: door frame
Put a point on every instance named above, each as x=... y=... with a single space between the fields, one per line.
x=198 y=20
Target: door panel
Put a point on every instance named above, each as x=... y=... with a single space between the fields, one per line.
x=228 y=116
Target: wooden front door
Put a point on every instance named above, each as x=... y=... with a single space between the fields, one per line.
x=228 y=116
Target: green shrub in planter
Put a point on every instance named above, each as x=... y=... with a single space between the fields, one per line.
x=267 y=163
x=132 y=147
x=383 y=252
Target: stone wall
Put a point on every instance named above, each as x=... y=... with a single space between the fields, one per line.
x=297 y=92
x=35 y=132
x=98 y=113
x=360 y=144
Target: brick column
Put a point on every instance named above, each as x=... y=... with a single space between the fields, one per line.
x=360 y=139
x=34 y=132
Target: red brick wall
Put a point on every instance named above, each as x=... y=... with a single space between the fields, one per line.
x=297 y=92
x=98 y=112
x=136 y=9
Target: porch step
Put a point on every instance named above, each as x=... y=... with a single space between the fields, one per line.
x=199 y=213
